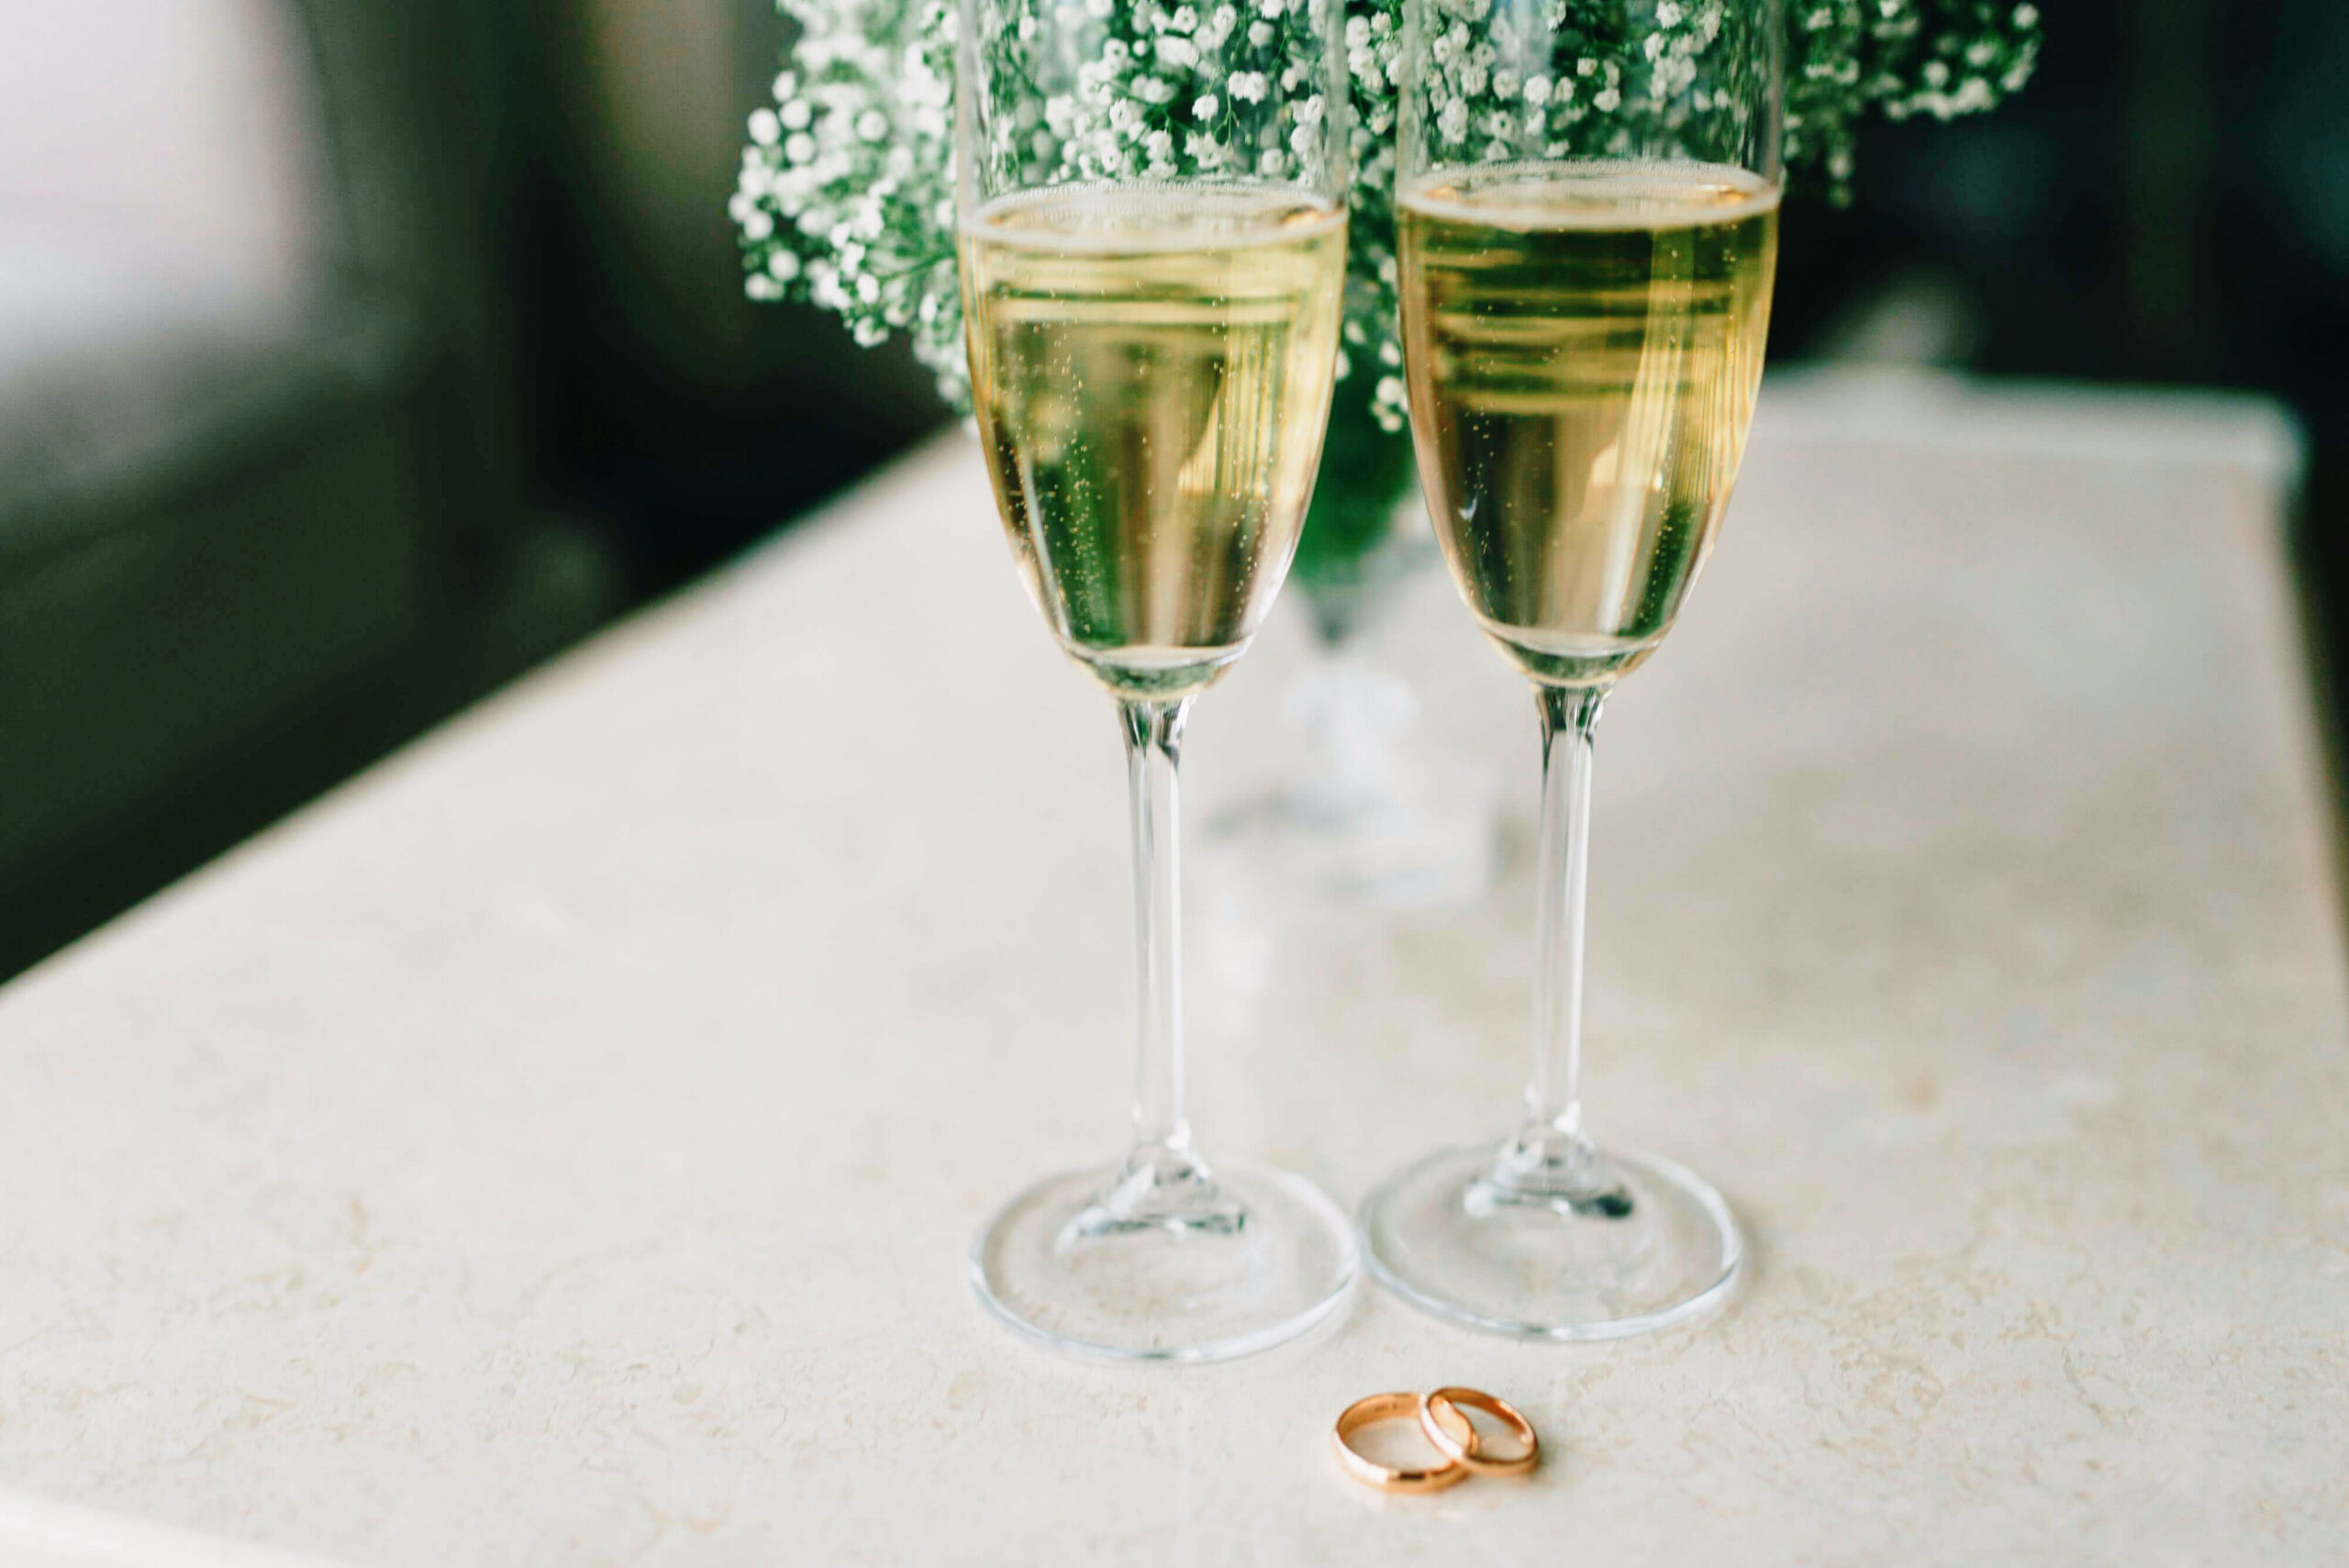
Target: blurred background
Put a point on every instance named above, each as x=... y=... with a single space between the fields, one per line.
x=357 y=355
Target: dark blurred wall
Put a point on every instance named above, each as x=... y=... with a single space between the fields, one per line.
x=354 y=356
x=682 y=418
x=2168 y=201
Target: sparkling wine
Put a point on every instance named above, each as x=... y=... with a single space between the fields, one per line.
x=1150 y=369
x=1584 y=344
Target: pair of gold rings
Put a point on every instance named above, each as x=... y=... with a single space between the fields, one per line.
x=1445 y=1424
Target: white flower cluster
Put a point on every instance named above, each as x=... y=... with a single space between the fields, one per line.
x=1473 y=105
x=846 y=195
x=1903 y=58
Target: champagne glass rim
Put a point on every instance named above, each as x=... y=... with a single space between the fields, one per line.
x=1323 y=210
x=1759 y=190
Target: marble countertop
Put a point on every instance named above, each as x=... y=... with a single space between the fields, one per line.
x=560 y=1146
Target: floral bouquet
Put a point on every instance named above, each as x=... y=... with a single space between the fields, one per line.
x=847 y=192
x=846 y=197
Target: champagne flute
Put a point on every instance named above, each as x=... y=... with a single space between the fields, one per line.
x=1587 y=196
x=1153 y=239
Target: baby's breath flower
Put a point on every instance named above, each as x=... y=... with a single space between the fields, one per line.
x=845 y=193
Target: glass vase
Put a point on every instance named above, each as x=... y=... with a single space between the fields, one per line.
x=1376 y=812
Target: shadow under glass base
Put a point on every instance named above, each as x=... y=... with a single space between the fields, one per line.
x=1101 y=1263
x=1659 y=1248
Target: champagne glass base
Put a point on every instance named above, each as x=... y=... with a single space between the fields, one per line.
x=1660 y=1249
x=1264 y=1260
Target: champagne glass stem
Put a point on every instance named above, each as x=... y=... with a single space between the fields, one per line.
x=1552 y=1155
x=1153 y=731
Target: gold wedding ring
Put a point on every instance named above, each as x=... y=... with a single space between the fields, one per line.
x=1456 y=1438
x=1371 y=1412
x=1443 y=1422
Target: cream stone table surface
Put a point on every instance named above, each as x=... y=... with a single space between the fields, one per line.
x=560 y=1145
